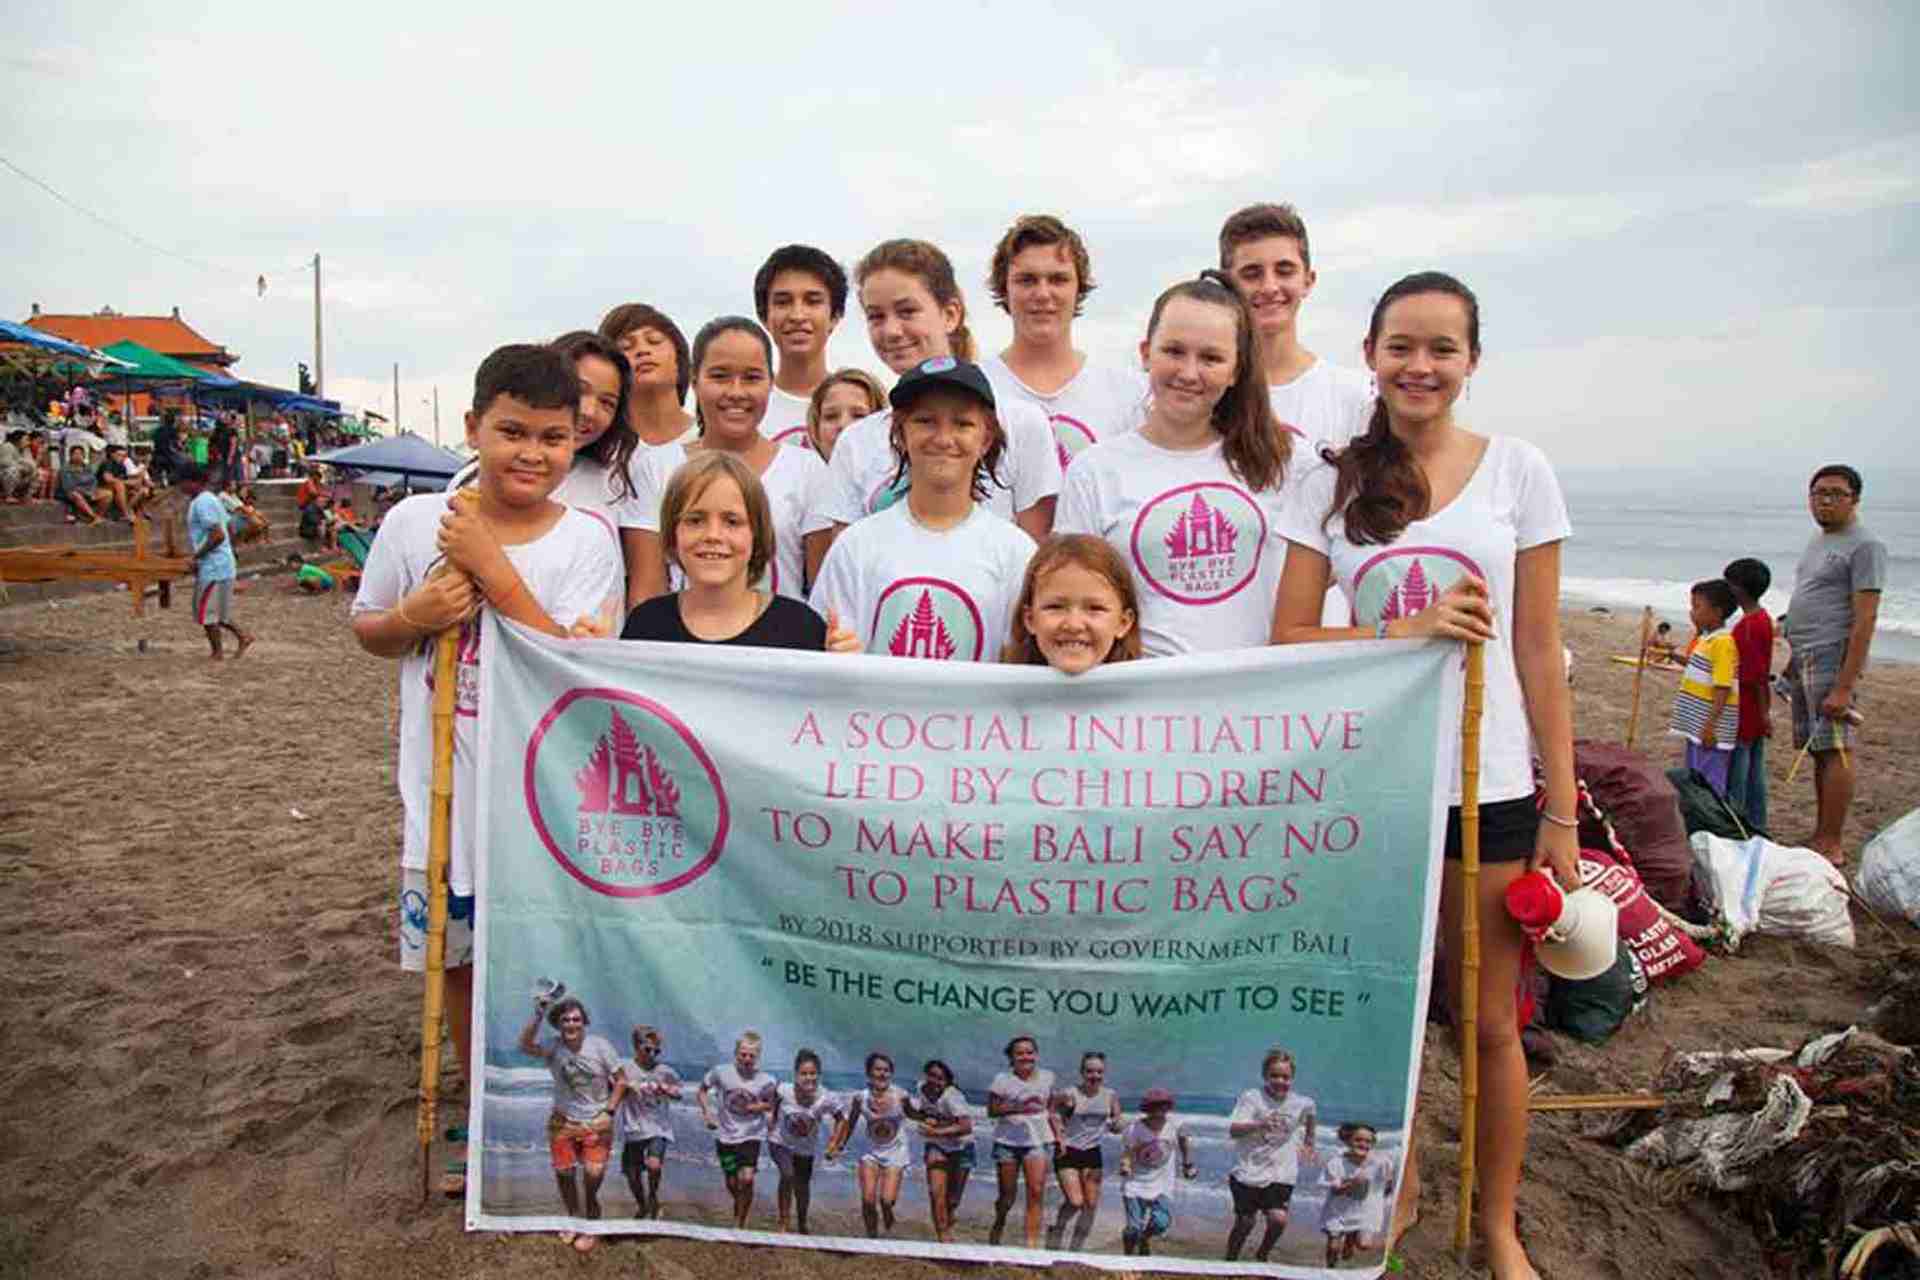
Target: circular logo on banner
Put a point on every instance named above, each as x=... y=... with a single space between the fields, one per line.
x=1200 y=543
x=1070 y=436
x=928 y=618
x=1401 y=581
x=623 y=795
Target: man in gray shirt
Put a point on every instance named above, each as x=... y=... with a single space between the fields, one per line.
x=1830 y=620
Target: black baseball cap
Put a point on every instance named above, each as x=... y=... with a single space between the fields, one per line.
x=941 y=371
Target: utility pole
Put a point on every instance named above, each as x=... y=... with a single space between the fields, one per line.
x=319 y=369
x=396 y=397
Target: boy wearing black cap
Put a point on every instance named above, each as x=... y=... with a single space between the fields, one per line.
x=935 y=575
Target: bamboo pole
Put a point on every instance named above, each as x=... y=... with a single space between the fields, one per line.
x=1639 y=674
x=439 y=850
x=1597 y=1102
x=1471 y=710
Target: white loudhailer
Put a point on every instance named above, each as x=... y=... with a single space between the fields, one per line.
x=1576 y=935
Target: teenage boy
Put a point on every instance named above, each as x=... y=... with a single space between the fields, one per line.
x=1753 y=642
x=214 y=567
x=1830 y=621
x=1264 y=251
x=1041 y=276
x=800 y=294
x=507 y=544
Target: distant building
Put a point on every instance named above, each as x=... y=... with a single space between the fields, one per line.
x=169 y=335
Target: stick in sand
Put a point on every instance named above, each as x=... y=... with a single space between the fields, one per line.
x=1639 y=674
x=1471 y=711
x=439 y=847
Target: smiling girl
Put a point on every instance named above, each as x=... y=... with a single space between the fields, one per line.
x=1192 y=500
x=732 y=377
x=915 y=313
x=1026 y=1134
x=883 y=1105
x=1077 y=607
x=934 y=576
x=1434 y=530
x=847 y=396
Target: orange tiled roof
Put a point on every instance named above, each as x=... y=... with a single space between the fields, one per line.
x=169 y=335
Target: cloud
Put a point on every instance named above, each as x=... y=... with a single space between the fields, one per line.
x=1877 y=176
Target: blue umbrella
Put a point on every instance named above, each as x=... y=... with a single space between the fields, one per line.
x=32 y=337
x=405 y=454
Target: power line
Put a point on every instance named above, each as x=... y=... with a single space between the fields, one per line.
x=136 y=237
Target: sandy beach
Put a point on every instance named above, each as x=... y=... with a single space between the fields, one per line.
x=210 y=1058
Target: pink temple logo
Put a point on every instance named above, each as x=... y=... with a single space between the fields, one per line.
x=1070 y=436
x=927 y=618
x=624 y=777
x=1400 y=582
x=921 y=634
x=645 y=813
x=1200 y=531
x=1199 y=543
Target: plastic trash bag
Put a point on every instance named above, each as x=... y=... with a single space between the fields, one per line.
x=1889 y=877
x=1758 y=886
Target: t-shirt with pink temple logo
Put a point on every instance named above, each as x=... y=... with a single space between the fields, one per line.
x=573 y=571
x=1205 y=551
x=914 y=592
x=1105 y=399
x=1512 y=503
x=798 y=1125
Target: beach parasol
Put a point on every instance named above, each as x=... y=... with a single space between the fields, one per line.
x=405 y=455
x=28 y=336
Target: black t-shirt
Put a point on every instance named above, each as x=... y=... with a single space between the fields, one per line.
x=785 y=623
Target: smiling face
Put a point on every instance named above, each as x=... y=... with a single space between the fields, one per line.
x=573 y=1028
x=1279 y=1079
x=1093 y=1074
x=1272 y=275
x=1042 y=291
x=523 y=452
x=904 y=323
x=935 y=1082
x=946 y=434
x=746 y=1054
x=1023 y=1055
x=806 y=1079
x=1076 y=618
x=646 y=1050
x=713 y=543
x=732 y=385
x=799 y=314
x=1190 y=358
x=844 y=404
x=879 y=1075
x=651 y=356
x=1360 y=1142
x=599 y=398
x=1421 y=358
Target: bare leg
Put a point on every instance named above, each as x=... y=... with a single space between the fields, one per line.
x=1833 y=781
x=1069 y=1205
x=653 y=1186
x=937 y=1205
x=459 y=1006
x=1276 y=1227
x=1242 y=1227
x=802 y=1197
x=868 y=1174
x=783 y=1199
x=1089 y=1206
x=742 y=1197
x=1036 y=1167
x=889 y=1194
x=1008 y=1174
x=213 y=642
x=1501 y=1127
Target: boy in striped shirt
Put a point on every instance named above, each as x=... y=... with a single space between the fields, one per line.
x=1706 y=710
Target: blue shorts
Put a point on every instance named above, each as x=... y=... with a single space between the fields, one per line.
x=1147 y=1218
x=1008 y=1153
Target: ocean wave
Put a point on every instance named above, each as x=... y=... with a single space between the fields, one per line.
x=1899 y=609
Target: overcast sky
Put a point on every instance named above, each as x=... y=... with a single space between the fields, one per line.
x=1692 y=226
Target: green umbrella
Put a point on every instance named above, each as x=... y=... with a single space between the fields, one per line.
x=148 y=365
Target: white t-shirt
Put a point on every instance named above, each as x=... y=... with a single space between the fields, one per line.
x=593 y=487
x=1269 y=1155
x=1512 y=502
x=944 y=1110
x=646 y=1111
x=583 y=1079
x=799 y=1124
x=786 y=420
x=1027 y=1127
x=1327 y=405
x=916 y=592
x=641 y=449
x=573 y=571
x=792 y=480
x=1355 y=1213
x=1088 y=1123
x=729 y=1093
x=1152 y=1159
x=861 y=473
x=1205 y=552
x=1105 y=399
x=886 y=1122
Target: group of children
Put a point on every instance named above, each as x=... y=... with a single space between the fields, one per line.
x=1722 y=708
x=1212 y=499
x=602 y=1102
